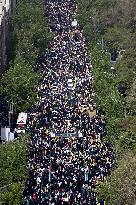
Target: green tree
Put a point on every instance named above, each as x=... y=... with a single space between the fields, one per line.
x=120 y=187
x=97 y=16
x=30 y=29
x=126 y=72
x=12 y=195
x=13 y=172
x=126 y=68
x=18 y=85
x=126 y=142
x=31 y=37
x=115 y=23
x=107 y=96
x=118 y=38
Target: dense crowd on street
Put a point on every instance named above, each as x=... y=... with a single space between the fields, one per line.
x=66 y=158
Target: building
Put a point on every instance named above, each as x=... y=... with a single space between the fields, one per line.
x=6 y=9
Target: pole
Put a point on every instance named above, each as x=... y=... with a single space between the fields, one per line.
x=102 y=44
x=11 y=110
x=110 y=56
x=12 y=106
x=9 y=119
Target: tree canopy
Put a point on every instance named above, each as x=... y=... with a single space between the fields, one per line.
x=30 y=30
x=97 y=16
x=18 y=85
x=120 y=187
x=13 y=171
x=30 y=37
x=109 y=27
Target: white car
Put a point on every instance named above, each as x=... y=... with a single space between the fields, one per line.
x=70 y=84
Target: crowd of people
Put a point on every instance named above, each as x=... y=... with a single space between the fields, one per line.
x=67 y=158
x=60 y=14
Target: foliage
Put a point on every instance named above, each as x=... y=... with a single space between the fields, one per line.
x=97 y=16
x=13 y=171
x=18 y=85
x=126 y=72
x=126 y=142
x=94 y=22
x=30 y=29
x=13 y=194
x=31 y=38
x=126 y=67
x=120 y=187
x=107 y=96
x=105 y=19
x=127 y=124
x=118 y=38
x=110 y=25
